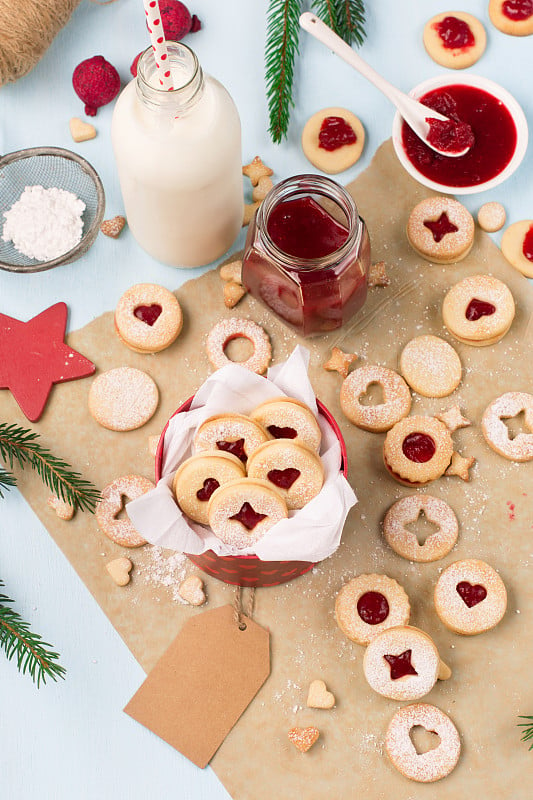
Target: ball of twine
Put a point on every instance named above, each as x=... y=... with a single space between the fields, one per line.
x=28 y=28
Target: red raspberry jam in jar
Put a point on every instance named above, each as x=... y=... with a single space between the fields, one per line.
x=307 y=254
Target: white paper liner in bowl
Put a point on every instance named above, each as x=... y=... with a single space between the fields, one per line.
x=309 y=534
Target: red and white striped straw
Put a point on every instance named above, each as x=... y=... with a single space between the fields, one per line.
x=157 y=38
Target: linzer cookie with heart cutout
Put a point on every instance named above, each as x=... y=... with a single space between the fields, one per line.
x=470 y=597
x=148 y=318
x=293 y=469
x=199 y=476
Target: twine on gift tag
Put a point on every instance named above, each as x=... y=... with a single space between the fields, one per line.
x=238 y=612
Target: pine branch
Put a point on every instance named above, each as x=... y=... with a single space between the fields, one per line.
x=18 y=445
x=351 y=20
x=327 y=11
x=32 y=654
x=527 y=733
x=283 y=33
x=6 y=480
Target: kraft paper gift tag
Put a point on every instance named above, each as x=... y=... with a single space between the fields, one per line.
x=202 y=684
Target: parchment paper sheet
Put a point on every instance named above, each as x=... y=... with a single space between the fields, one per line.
x=491 y=680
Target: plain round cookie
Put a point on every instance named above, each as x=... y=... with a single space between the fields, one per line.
x=123 y=399
x=409 y=438
x=454 y=57
x=396 y=398
x=287 y=418
x=332 y=161
x=431 y=366
x=368 y=605
x=148 y=318
x=513 y=27
x=111 y=503
x=512 y=245
x=422 y=767
x=496 y=432
x=407 y=511
x=402 y=663
x=447 y=248
x=235 y=328
x=234 y=507
x=470 y=597
x=198 y=477
x=293 y=469
x=491 y=217
x=479 y=310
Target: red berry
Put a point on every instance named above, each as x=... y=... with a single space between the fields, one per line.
x=96 y=82
x=196 y=24
x=176 y=19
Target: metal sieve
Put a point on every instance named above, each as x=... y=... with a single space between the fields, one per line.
x=49 y=167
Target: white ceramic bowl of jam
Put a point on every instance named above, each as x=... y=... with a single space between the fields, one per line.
x=498 y=124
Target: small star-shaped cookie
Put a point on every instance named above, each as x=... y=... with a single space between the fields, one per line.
x=256 y=170
x=264 y=185
x=249 y=211
x=339 y=361
x=453 y=419
x=377 y=275
x=459 y=466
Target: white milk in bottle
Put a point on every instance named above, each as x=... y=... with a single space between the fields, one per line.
x=178 y=155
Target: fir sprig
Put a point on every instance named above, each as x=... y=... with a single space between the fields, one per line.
x=345 y=17
x=527 y=733
x=283 y=32
x=22 y=446
x=6 y=480
x=18 y=641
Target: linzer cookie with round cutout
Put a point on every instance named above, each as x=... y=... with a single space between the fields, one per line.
x=417 y=450
x=368 y=605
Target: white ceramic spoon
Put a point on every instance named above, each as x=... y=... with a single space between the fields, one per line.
x=413 y=112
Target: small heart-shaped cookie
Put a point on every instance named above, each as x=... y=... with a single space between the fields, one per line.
x=303 y=738
x=192 y=590
x=112 y=227
x=63 y=510
x=81 y=131
x=319 y=697
x=120 y=569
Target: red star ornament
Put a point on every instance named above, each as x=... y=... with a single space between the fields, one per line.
x=34 y=356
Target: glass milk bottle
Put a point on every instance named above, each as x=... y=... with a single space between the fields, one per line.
x=178 y=156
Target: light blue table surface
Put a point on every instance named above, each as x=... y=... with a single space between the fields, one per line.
x=71 y=739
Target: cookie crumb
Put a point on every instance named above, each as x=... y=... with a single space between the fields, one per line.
x=113 y=227
x=377 y=275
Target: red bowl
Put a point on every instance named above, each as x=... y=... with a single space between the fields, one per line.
x=250 y=570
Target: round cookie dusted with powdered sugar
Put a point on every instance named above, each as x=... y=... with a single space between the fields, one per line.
x=287 y=418
x=241 y=512
x=417 y=450
x=402 y=663
x=479 y=310
x=422 y=767
x=496 y=432
x=491 y=216
x=470 y=597
x=230 y=433
x=396 y=398
x=123 y=399
x=441 y=230
x=455 y=39
x=111 y=503
x=148 y=318
x=430 y=366
x=198 y=477
x=407 y=511
x=294 y=470
x=234 y=328
x=368 y=605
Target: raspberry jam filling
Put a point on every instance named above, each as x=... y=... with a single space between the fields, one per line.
x=400 y=665
x=478 y=308
x=210 y=485
x=470 y=594
x=334 y=133
x=440 y=227
x=455 y=33
x=449 y=135
x=282 y=433
x=373 y=608
x=302 y=228
x=527 y=247
x=148 y=314
x=517 y=10
x=248 y=517
x=283 y=478
x=418 y=447
x=236 y=448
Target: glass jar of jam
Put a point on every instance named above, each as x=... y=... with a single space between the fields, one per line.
x=307 y=254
